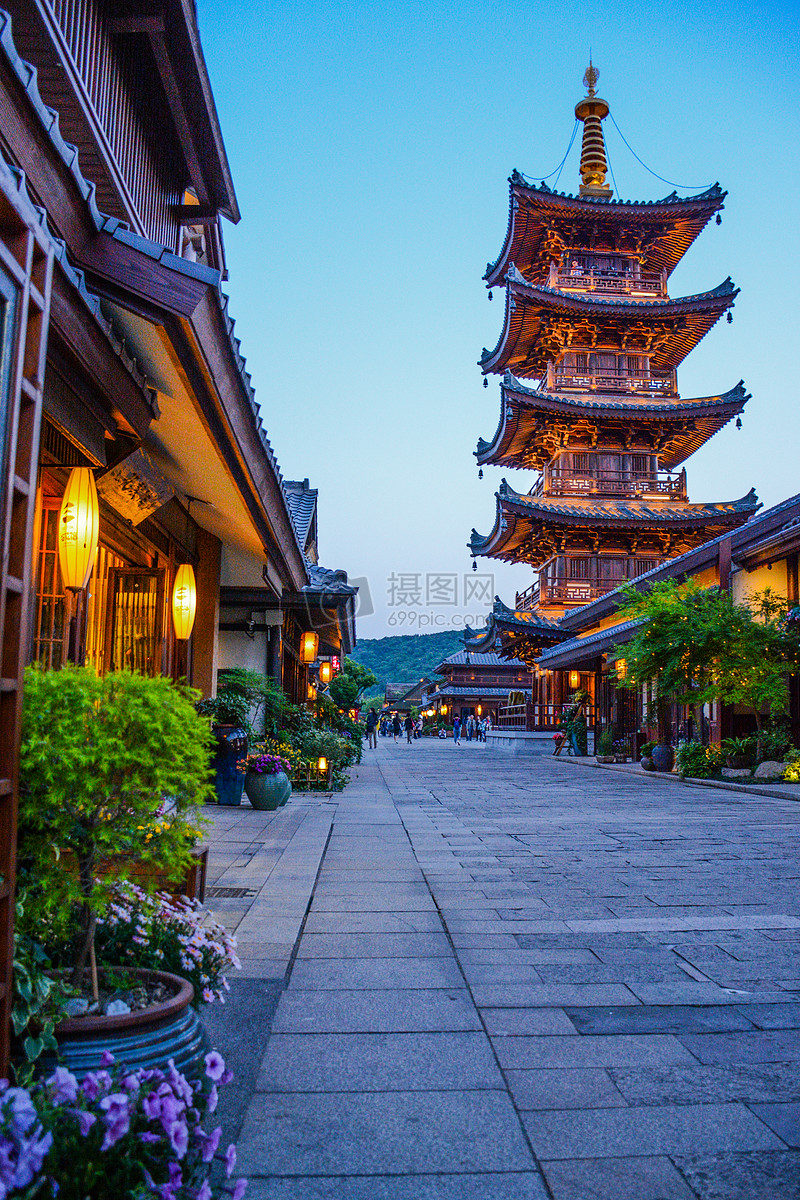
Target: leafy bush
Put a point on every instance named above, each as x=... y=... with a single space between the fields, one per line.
x=647 y=749
x=98 y=760
x=697 y=761
x=605 y=741
x=167 y=933
x=741 y=748
x=117 y=1133
x=792 y=771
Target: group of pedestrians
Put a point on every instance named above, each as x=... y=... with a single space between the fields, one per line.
x=471 y=727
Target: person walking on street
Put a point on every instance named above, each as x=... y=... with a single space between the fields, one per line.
x=409 y=724
x=470 y=727
x=372 y=728
x=457 y=730
x=396 y=727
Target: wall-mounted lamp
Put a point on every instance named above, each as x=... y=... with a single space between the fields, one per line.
x=309 y=647
x=574 y=680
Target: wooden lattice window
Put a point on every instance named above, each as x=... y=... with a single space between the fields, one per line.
x=26 y=259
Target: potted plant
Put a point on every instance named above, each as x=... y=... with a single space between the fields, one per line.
x=229 y=712
x=604 y=749
x=266 y=779
x=740 y=753
x=646 y=756
x=99 y=759
x=621 y=750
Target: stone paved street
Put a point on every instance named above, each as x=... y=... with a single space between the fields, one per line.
x=510 y=979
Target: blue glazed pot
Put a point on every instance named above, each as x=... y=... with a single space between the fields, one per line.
x=267 y=792
x=231 y=749
x=148 y=1038
x=663 y=758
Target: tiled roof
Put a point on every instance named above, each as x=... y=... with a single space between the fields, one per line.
x=476 y=690
x=465 y=658
x=623 y=510
x=121 y=232
x=571 y=300
x=302 y=501
x=714 y=192
x=583 y=647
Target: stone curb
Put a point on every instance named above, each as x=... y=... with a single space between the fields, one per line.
x=660 y=776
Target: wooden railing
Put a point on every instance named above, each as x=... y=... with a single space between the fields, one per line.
x=580 y=591
x=622 y=284
x=608 y=382
x=526 y=601
x=559 y=481
x=536 y=718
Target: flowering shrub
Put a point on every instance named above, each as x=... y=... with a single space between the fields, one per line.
x=792 y=771
x=167 y=933
x=698 y=761
x=117 y=1133
x=262 y=763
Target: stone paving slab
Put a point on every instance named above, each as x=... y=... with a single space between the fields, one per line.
x=507 y=968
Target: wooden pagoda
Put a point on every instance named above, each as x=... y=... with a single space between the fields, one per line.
x=589 y=351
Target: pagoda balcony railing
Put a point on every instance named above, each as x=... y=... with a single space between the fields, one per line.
x=609 y=282
x=641 y=385
x=561 y=481
x=577 y=591
x=526 y=601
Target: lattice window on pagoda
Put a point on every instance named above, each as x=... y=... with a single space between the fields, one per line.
x=640 y=565
x=579 y=568
x=640 y=464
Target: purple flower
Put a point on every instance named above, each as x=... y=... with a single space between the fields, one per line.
x=239 y=1189
x=205 y=1192
x=178 y=1134
x=18 y=1105
x=95 y=1083
x=149 y=1139
x=151 y=1106
x=62 y=1086
x=229 y=1158
x=180 y=1084
x=175 y=1174
x=215 y=1066
x=85 y=1120
x=213 y=1099
x=209 y=1144
x=107 y=1059
x=117 y=1118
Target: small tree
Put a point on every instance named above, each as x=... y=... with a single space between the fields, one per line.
x=101 y=761
x=676 y=648
x=758 y=650
x=348 y=686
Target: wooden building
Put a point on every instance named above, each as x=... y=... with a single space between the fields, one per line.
x=762 y=554
x=478 y=685
x=119 y=355
x=589 y=351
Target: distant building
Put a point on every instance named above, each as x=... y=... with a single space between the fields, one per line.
x=478 y=685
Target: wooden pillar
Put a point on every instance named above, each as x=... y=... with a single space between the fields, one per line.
x=793 y=596
x=724 y=564
x=205 y=635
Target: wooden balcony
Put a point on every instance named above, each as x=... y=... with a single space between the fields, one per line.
x=577 y=591
x=662 y=485
x=610 y=282
x=641 y=386
x=526 y=601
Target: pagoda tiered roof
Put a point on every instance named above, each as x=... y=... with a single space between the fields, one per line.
x=534 y=425
x=541 y=321
x=531 y=633
x=532 y=529
x=543 y=223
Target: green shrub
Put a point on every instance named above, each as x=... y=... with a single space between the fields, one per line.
x=647 y=749
x=605 y=741
x=697 y=761
x=792 y=772
x=101 y=761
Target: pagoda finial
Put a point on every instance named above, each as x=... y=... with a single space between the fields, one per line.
x=592 y=111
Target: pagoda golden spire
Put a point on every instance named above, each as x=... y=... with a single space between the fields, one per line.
x=592 y=111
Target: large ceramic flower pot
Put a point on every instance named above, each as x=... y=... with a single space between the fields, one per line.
x=663 y=758
x=147 y=1038
x=231 y=749
x=267 y=792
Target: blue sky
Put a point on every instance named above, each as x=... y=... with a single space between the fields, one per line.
x=370 y=147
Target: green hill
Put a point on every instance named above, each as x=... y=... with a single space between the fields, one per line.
x=406 y=658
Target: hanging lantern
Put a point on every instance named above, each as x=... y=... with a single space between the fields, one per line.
x=444 y=710
x=309 y=647
x=312 y=693
x=621 y=668
x=574 y=680
x=184 y=601
x=480 y=709
x=78 y=527
x=325 y=672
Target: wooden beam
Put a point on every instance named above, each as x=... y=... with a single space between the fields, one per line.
x=183 y=127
